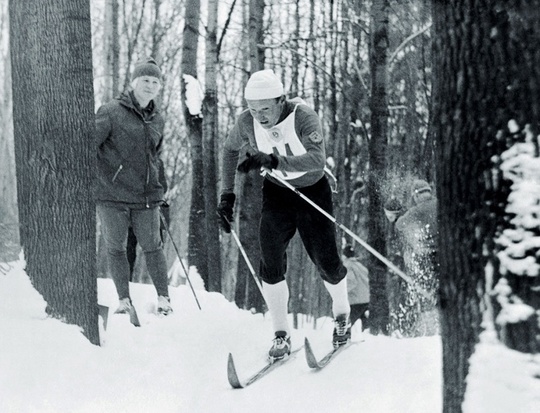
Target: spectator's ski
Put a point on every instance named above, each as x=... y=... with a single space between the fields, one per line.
x=320 y=364
x=237 y=384
x=133 y=317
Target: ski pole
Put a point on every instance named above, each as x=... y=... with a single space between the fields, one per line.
x=382 y=258
x=246 y=259
x=178 y=255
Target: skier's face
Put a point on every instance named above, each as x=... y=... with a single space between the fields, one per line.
x=391 y=215
x=266 y=111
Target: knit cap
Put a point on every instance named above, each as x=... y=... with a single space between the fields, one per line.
x=146 y=67
x=420 y=186
x=263 y=84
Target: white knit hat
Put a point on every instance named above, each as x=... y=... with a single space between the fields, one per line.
x=263 y=84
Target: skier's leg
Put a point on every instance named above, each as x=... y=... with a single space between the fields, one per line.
x=340 y=297
x=277 y=227
x=115 y=223
x=277 y=300
x=318 y=234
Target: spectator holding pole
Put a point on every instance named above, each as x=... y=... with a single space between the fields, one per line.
x=129 y=138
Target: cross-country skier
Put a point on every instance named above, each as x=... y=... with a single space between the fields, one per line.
x=129 y=136
x=285 y=136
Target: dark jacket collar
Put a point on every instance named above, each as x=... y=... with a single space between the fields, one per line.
x=128 y=100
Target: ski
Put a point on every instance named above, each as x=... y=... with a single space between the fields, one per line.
x=320 y=364
x=133 y=317
x=235 y=382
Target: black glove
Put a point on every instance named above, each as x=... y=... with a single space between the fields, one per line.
x=225 y=210
x=257 y=161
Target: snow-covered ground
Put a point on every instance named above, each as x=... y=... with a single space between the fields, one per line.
x=178 y=363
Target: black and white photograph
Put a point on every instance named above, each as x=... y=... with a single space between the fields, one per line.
x=267 y=206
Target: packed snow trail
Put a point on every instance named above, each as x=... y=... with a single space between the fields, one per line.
x=178 y=363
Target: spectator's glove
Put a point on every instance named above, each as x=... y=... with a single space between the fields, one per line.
x=257 y=161
x=225 y=210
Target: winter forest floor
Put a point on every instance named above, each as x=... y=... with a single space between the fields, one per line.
x=178 y=363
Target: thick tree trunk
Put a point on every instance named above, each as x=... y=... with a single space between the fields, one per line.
x=379 y=317
x=53 y=116
x=485 y=56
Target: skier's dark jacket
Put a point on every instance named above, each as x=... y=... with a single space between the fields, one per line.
x=129 y=141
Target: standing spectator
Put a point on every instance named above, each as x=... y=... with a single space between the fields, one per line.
x=417 y=230
x=129 y=137
x=285 y=136
x=357 y=286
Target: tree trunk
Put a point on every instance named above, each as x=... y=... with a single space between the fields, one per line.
x=9 y=228
x=197 y=251
x=377 y=164
x=210 y=123
x=53 y=116
x=112 y=50
x=485 y=56
x=249 y=205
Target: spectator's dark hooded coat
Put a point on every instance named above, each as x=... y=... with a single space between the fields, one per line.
x=129 y=142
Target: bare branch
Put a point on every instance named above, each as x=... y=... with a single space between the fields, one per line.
x=406 y=41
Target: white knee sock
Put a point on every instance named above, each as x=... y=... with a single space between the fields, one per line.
x=277 y=300
x=340 y=297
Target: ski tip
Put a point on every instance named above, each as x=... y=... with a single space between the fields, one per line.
x=307 y=345
x=234 y=381
x=310 y=356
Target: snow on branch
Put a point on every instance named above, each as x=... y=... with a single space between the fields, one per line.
x=194 y=95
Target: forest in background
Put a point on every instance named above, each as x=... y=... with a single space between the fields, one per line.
x=453 y=101
x=321 y=51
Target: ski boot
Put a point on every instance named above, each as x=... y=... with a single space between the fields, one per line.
x=281 y=346
x=124 y=306
x=164 y=305
x=342 y=330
